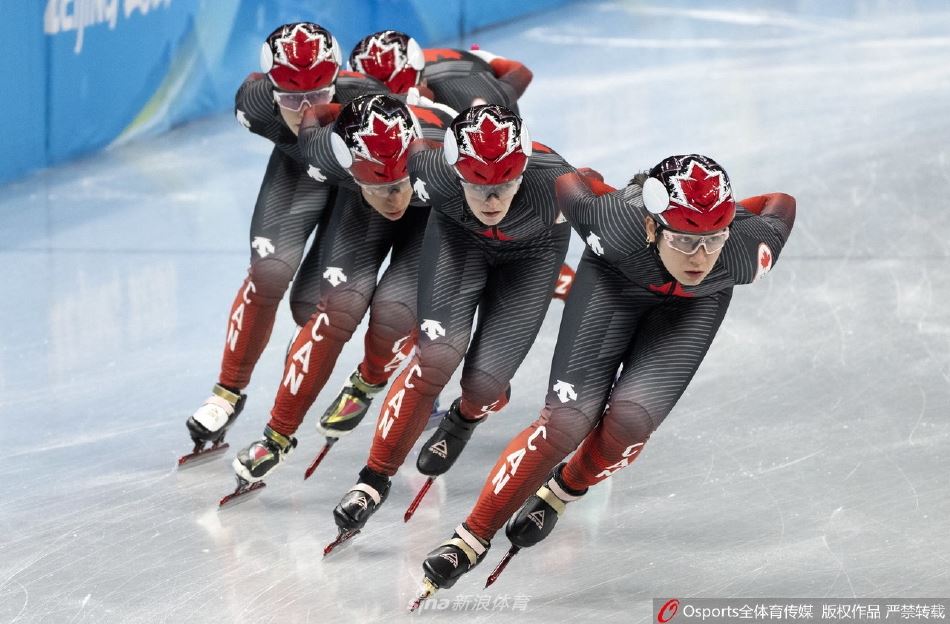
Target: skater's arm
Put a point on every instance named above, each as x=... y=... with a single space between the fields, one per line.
x=611 y=226
x=758 y=234
x=254 y=107
x=513 y=73
x=315 y=142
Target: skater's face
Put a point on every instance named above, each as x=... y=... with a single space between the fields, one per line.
x=389 y=200
x=490 y=203
x=293 y=104
x=292 y=118
x=688 y=269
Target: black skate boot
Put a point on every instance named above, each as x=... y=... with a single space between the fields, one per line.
x=211 y=421
x=254 y=462
x=349 y=407
x=440 y=451
x=443 y=447
x=536 y=518
x=447 y=563
x=357 y=505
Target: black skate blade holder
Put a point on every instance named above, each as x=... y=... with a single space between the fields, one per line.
x=502 y=565
x=316 y=462
x=240 y=493
x=418 y=499
x=201 y=455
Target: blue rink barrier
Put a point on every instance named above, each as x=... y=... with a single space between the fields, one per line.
x=82 y=75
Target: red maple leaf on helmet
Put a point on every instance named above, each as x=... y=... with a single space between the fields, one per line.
x=300 y=49
x=380 y=61
x=702 y=189
x=384 y=139
x=489 y=139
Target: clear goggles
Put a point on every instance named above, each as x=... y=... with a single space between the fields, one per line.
x=690 y=243
x=294 y=100
x=503 y=191
x=384 y=190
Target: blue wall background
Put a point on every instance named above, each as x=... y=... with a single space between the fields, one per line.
x=81 y=75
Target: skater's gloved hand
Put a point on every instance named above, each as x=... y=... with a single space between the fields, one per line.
x=320 y=116
x=255 y=76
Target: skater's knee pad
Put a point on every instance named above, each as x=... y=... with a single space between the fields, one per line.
x=271 y=277
x=628 y=421
x=302 y=311
x=566 y=427
x=391 y=320
x=481 y=388
x=437 y=363
x=345 y=309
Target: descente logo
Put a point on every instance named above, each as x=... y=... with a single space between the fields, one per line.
x=77 y=15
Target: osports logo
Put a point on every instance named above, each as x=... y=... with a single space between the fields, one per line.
x=668 y=611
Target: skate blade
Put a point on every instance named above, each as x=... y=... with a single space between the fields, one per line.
x=418 y=499
x=240 y=494
x=343 y=537
x=502 y=565
x=202 y=456
x=428 y=590
x=316 y=462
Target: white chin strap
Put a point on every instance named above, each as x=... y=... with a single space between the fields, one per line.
x=656 y=198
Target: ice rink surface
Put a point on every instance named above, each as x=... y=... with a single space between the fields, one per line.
x=809 y=458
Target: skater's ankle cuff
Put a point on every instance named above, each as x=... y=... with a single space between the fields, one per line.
x=228 y=393
x=373 y=478
x=481 y=540
x=369 y=379
x=570 y=492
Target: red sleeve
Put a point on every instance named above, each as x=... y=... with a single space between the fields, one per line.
x=512 y=72
x=565 y=183
x=770 y=203
x=776 y=205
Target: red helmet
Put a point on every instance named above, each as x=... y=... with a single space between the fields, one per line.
x=392 y=57
x=487 y=144
x=301 y=56
x=690 y=193
x=371 y=138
